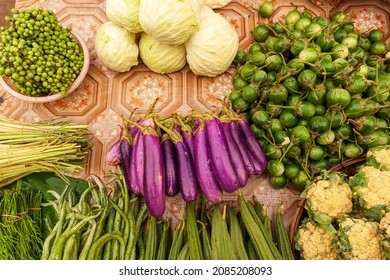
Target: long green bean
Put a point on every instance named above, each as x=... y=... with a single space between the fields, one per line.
x=86 y=247
x=97 y=245
x=58 y=247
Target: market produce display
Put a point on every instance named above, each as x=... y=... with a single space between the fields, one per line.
x=38 y=55
x=347 y=216
x=309 y=92
x=315 y=92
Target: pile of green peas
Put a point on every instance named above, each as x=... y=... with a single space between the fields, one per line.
x=39 y=56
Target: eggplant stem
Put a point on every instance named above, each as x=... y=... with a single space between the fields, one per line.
x=175 y=136
x=151 y=107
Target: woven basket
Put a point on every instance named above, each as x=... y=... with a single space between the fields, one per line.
x=347 y=167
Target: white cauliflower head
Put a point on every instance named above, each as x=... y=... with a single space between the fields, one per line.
x=315 y=243
x=359 y=239
x=379 y=157
x=384 y=226
x=371 y=188
x=329 y=197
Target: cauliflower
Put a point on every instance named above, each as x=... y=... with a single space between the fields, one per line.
x=315 y=243
x=379 y=157
x=384 y=227
x=359 y=239
x=329 y=197
x=371 y=188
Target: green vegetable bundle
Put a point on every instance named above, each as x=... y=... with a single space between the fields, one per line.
x=101 y=224
x=315 y=92
x=20 y=219
x=224 y=232
x=221 y=232
x=25 y=148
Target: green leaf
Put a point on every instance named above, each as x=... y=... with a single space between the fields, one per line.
x=359 y=179
x=323 y=221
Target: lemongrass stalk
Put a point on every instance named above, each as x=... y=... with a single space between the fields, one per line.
x=42 y=128
x=20 y=150
x=14 y=149
x=12 y=159
x=12 y=173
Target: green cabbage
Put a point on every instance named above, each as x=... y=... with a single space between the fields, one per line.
x=215 y=4
x=169 y=21
x=213 y=46
x=116 y=47
x=161 y=58
x=124 y=13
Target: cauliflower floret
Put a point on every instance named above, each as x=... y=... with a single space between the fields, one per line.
x=329 y=197
x=372 y=190
x=384 y=226
x=315 y=243
x=379 y=157
x=360 y=240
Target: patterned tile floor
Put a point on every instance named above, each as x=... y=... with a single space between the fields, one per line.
x=5 y=8
x=105 y=95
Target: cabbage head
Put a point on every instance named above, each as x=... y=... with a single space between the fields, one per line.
x=124 y=13
x=161 y=58
x=213 y=46
x=169 y=21
x=116 y=47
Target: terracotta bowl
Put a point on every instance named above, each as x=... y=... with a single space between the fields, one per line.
x=53 y=97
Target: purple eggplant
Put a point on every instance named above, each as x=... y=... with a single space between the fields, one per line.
x=204 y=171
x=114 y=156
x=198 y=121
x=137 y=164
x=220 y=156
x=170 y=164
x=235 y=154
x=253 y=145
x=149 y=122
x=154 y=176
x=187 y=138
x=248 y=162
x=134 y=130
x=126 y=151
x=144 y=122
x=188 y=183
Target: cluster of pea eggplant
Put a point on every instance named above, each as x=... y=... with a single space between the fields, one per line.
x=207 y=154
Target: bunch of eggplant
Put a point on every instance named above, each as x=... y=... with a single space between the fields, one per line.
x=209 y=153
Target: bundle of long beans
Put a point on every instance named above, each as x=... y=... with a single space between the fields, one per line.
x=100 y=225
x=20 y=218
x=52 y=146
